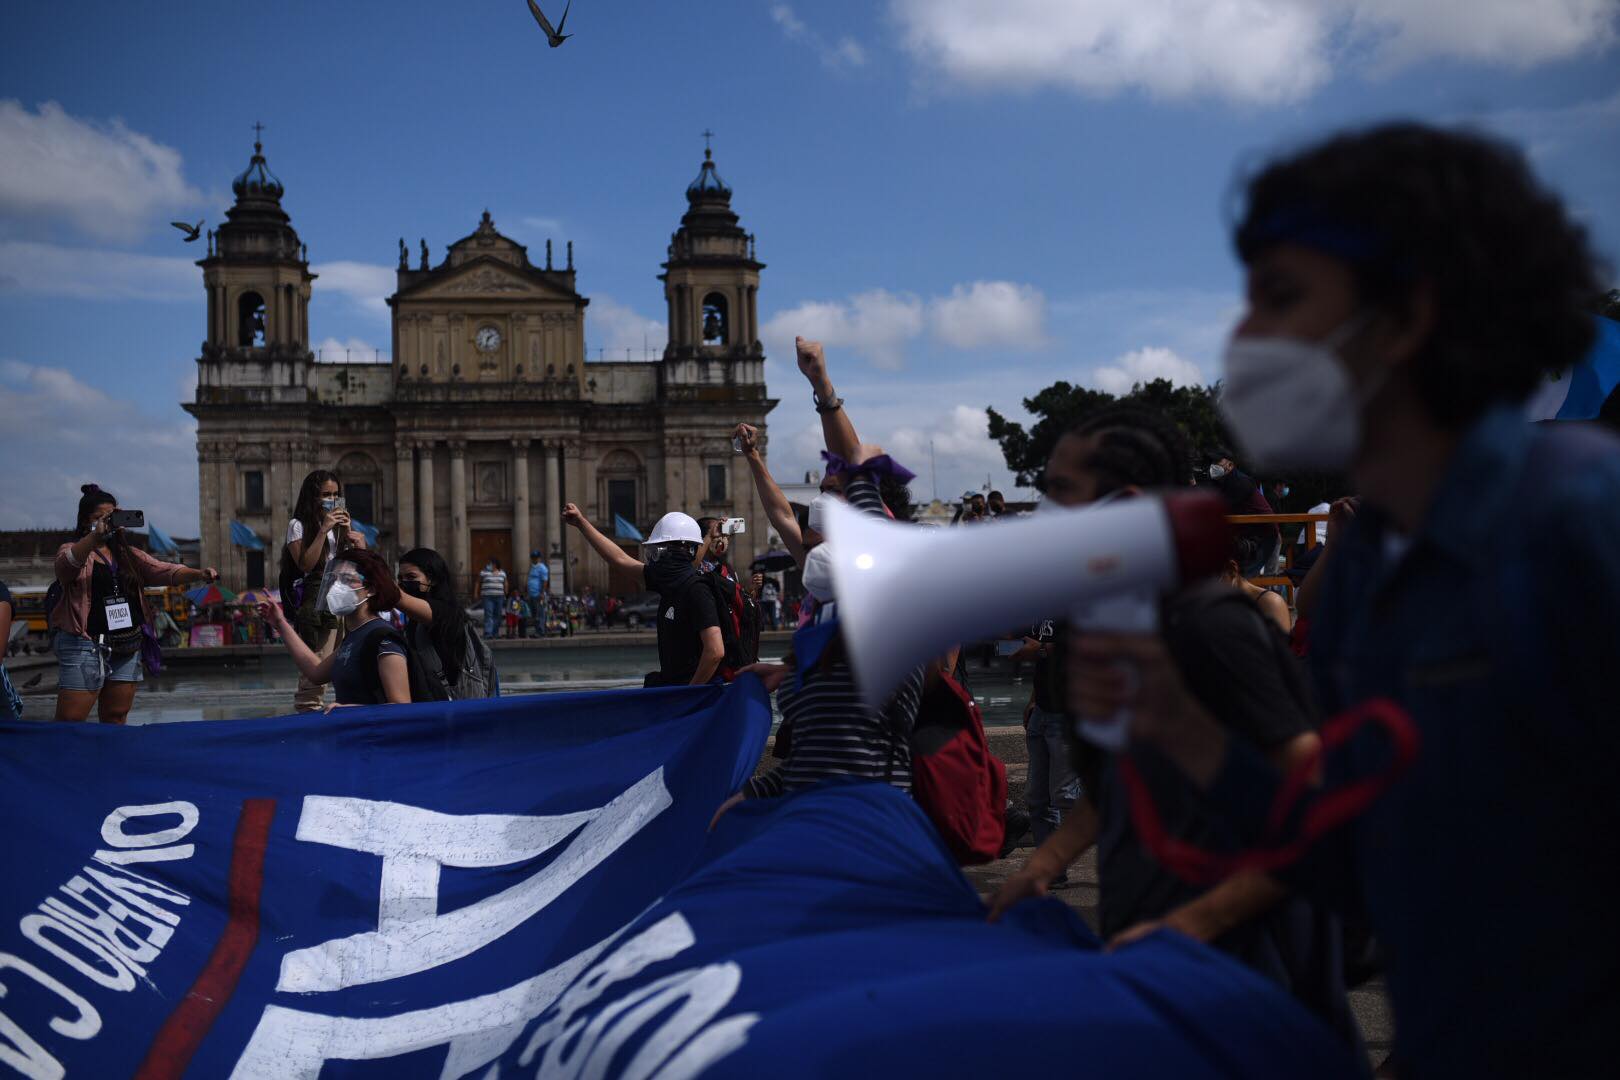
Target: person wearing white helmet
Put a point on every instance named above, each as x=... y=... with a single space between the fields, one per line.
x=690 y=645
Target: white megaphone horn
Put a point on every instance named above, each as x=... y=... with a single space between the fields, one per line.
x=906 y=595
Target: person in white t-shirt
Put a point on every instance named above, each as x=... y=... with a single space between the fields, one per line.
x=305 y=567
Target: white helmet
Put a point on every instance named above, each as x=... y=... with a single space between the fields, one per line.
x=676 y=527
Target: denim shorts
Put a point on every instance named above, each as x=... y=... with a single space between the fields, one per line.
x=81 y=664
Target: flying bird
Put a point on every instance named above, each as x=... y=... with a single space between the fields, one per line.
x=555 y=37
x=191 y=231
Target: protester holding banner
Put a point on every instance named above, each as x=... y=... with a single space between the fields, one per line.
x=371 y=666
x=453 y=660
x=320 y=528
x=102 y=619
x=691 y=644
x=1408 y=288
x=1236 y=662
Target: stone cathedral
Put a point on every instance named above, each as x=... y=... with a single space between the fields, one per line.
x=490 y=416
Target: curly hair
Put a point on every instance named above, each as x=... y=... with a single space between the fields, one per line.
x=1136 y=446
x=1461 y=213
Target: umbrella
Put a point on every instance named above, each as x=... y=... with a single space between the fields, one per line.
x=774 y=561
x=254 y=597
x=204 y=595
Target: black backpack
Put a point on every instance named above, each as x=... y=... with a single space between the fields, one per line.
x=476 y=679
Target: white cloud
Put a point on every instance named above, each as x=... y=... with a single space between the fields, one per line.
x=876 y=324
x=71 y=433
x=96 y=274
x=349 y=350
x=1145 y=365
x=106 y=180
x=1250 y=51
x=1560 y=129
x=844 y=52
x=963 y=454
x=990 y=313
x=613 y=327
x=367 y=284
x=542 y=224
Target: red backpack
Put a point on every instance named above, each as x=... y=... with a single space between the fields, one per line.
x=960 y=785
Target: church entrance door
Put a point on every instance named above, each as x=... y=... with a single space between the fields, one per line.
x=496 y=544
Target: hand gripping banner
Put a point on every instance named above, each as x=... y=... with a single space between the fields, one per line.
x=525 y=887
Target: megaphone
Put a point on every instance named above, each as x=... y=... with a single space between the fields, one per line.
x=906 y=595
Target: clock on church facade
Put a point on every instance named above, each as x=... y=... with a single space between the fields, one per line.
x=489 y=414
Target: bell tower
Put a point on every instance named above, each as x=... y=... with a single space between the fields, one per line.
x=257 y=277
x=711 y=280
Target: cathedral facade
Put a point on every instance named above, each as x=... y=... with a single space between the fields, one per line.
x=490 y=416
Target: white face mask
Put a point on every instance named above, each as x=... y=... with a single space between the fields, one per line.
x=818 y=573
x=1216 y=472
x=1291 y=403
x=817 y=517
x=342 y=598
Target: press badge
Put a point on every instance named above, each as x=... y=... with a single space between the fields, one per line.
x=118 y=615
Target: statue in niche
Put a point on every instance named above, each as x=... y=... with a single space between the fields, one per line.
x=439 y=366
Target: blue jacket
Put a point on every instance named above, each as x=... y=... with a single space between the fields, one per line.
x=1491 y=871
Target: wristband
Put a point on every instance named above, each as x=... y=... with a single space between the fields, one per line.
x=829 y=406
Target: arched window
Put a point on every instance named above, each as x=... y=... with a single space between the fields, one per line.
x=716 y=320
x=250 y=320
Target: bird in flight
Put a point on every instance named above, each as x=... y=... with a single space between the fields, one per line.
x=555 y=37
x=191 y=231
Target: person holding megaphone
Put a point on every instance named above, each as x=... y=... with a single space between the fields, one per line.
x=1234 y=659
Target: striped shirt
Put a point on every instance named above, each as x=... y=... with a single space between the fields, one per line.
x=833 y=732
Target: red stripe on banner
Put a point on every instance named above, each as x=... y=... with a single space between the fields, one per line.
x=183 y=1032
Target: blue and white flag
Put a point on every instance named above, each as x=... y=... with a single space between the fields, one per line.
x=527 y=888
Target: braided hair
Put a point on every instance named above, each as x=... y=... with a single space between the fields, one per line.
x=1134 y=446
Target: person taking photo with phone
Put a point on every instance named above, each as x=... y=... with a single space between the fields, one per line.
x=320 y=528
x=102 y=617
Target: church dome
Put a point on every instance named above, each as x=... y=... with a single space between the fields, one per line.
x=257 y=181
x=708 y=184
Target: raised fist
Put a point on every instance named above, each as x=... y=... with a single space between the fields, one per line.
x=572 y=516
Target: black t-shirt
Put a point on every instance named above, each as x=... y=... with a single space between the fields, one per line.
x=1235 y=663
x=104 y=587
x=351 y=682
x=683 y=614
x=1046 y=693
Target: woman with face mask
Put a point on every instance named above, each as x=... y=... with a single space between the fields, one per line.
x=1409 y=288
x=320 y=528
x=370 y=666
x=456 y=662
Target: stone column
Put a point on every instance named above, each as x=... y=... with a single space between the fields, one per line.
x=228 y=563
x=553 y=453
x=460 y=540
x=425 y=533
x=405 y=504
x=520 y=504
x=280 y=508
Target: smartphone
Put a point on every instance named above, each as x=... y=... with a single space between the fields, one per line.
x=126 y=519
x=733 y=526
x=1007 y=648
x=736 y=444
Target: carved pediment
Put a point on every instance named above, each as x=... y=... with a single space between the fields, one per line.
x=487 y=278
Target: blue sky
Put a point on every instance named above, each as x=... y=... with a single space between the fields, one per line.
x=967 y=199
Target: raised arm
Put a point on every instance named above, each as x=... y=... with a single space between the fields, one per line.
x=836 y=428
x=611 y=553
x=778 y=511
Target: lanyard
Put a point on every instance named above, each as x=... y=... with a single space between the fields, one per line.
x=1331 y=809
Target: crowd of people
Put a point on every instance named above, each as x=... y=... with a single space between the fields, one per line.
x=1407 y=289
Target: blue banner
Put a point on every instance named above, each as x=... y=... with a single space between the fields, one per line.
x=527 y=888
